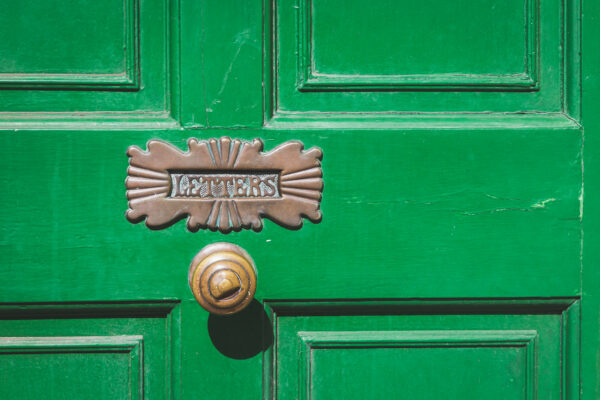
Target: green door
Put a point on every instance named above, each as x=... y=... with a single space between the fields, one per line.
x=458 y=254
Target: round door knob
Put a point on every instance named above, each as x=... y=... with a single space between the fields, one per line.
x=222 y=277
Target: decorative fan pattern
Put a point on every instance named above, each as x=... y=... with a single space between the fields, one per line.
x=232 y=184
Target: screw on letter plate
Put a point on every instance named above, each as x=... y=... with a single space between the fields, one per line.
x=224 y=184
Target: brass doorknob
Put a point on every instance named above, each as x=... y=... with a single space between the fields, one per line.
x=222 y=277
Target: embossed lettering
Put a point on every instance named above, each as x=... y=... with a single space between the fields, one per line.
x=224 y=185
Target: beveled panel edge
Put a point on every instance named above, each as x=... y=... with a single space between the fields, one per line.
x=99 y=309
x=167 y=116
x=88 y=120
x=568 y=308
x=426 y=121
x=570 y=116
x=425 y=306
x=311 y=81
x=313 y=340
x=57 y=344
x=128 y=80
x=332 y=339
x=432 y=82
x=128 y=344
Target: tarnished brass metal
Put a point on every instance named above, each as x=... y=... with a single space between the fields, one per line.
x=224 y=184
x=222 y=277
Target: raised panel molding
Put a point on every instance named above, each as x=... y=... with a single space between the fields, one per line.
x=90 y=350
x=311 y=342
x=516 y=67
x=130 y=345
x=312 y=80
x=321 y=349
x=120 y=72
x=127 y=79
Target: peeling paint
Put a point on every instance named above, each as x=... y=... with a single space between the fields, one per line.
x=542 y=204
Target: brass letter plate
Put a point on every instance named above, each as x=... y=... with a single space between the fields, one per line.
x=224 y=184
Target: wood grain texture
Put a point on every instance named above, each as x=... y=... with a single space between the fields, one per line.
x=425 y=64
x=378 y=349
x=94 y=46
x=454 y=59
x=440 y=214
x=89 y=350
x=371 y=364
x=96 y=62
x=590 y=306
x=439 y=199
x=58 y=367
x=222 y=64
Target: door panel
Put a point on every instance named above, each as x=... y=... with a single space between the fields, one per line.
x=113 y=361
x=342 y=365
x=425 y=350
x=109 y=62
x=92 y=350
x=448 y=262
x=432 y=57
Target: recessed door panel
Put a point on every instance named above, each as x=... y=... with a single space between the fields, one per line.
x=424 y=350
x=451 y=241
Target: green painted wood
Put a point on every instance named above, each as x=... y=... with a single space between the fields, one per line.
x=454 y=164
x=222 y=71
x=424 y=65
x=375 y=349
x=373 y=365
x=88 y=61
x=590 y=377
x=63 y=367
x=104 y=54
x=450 y=56
x=98 y=350
x=473 y=202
